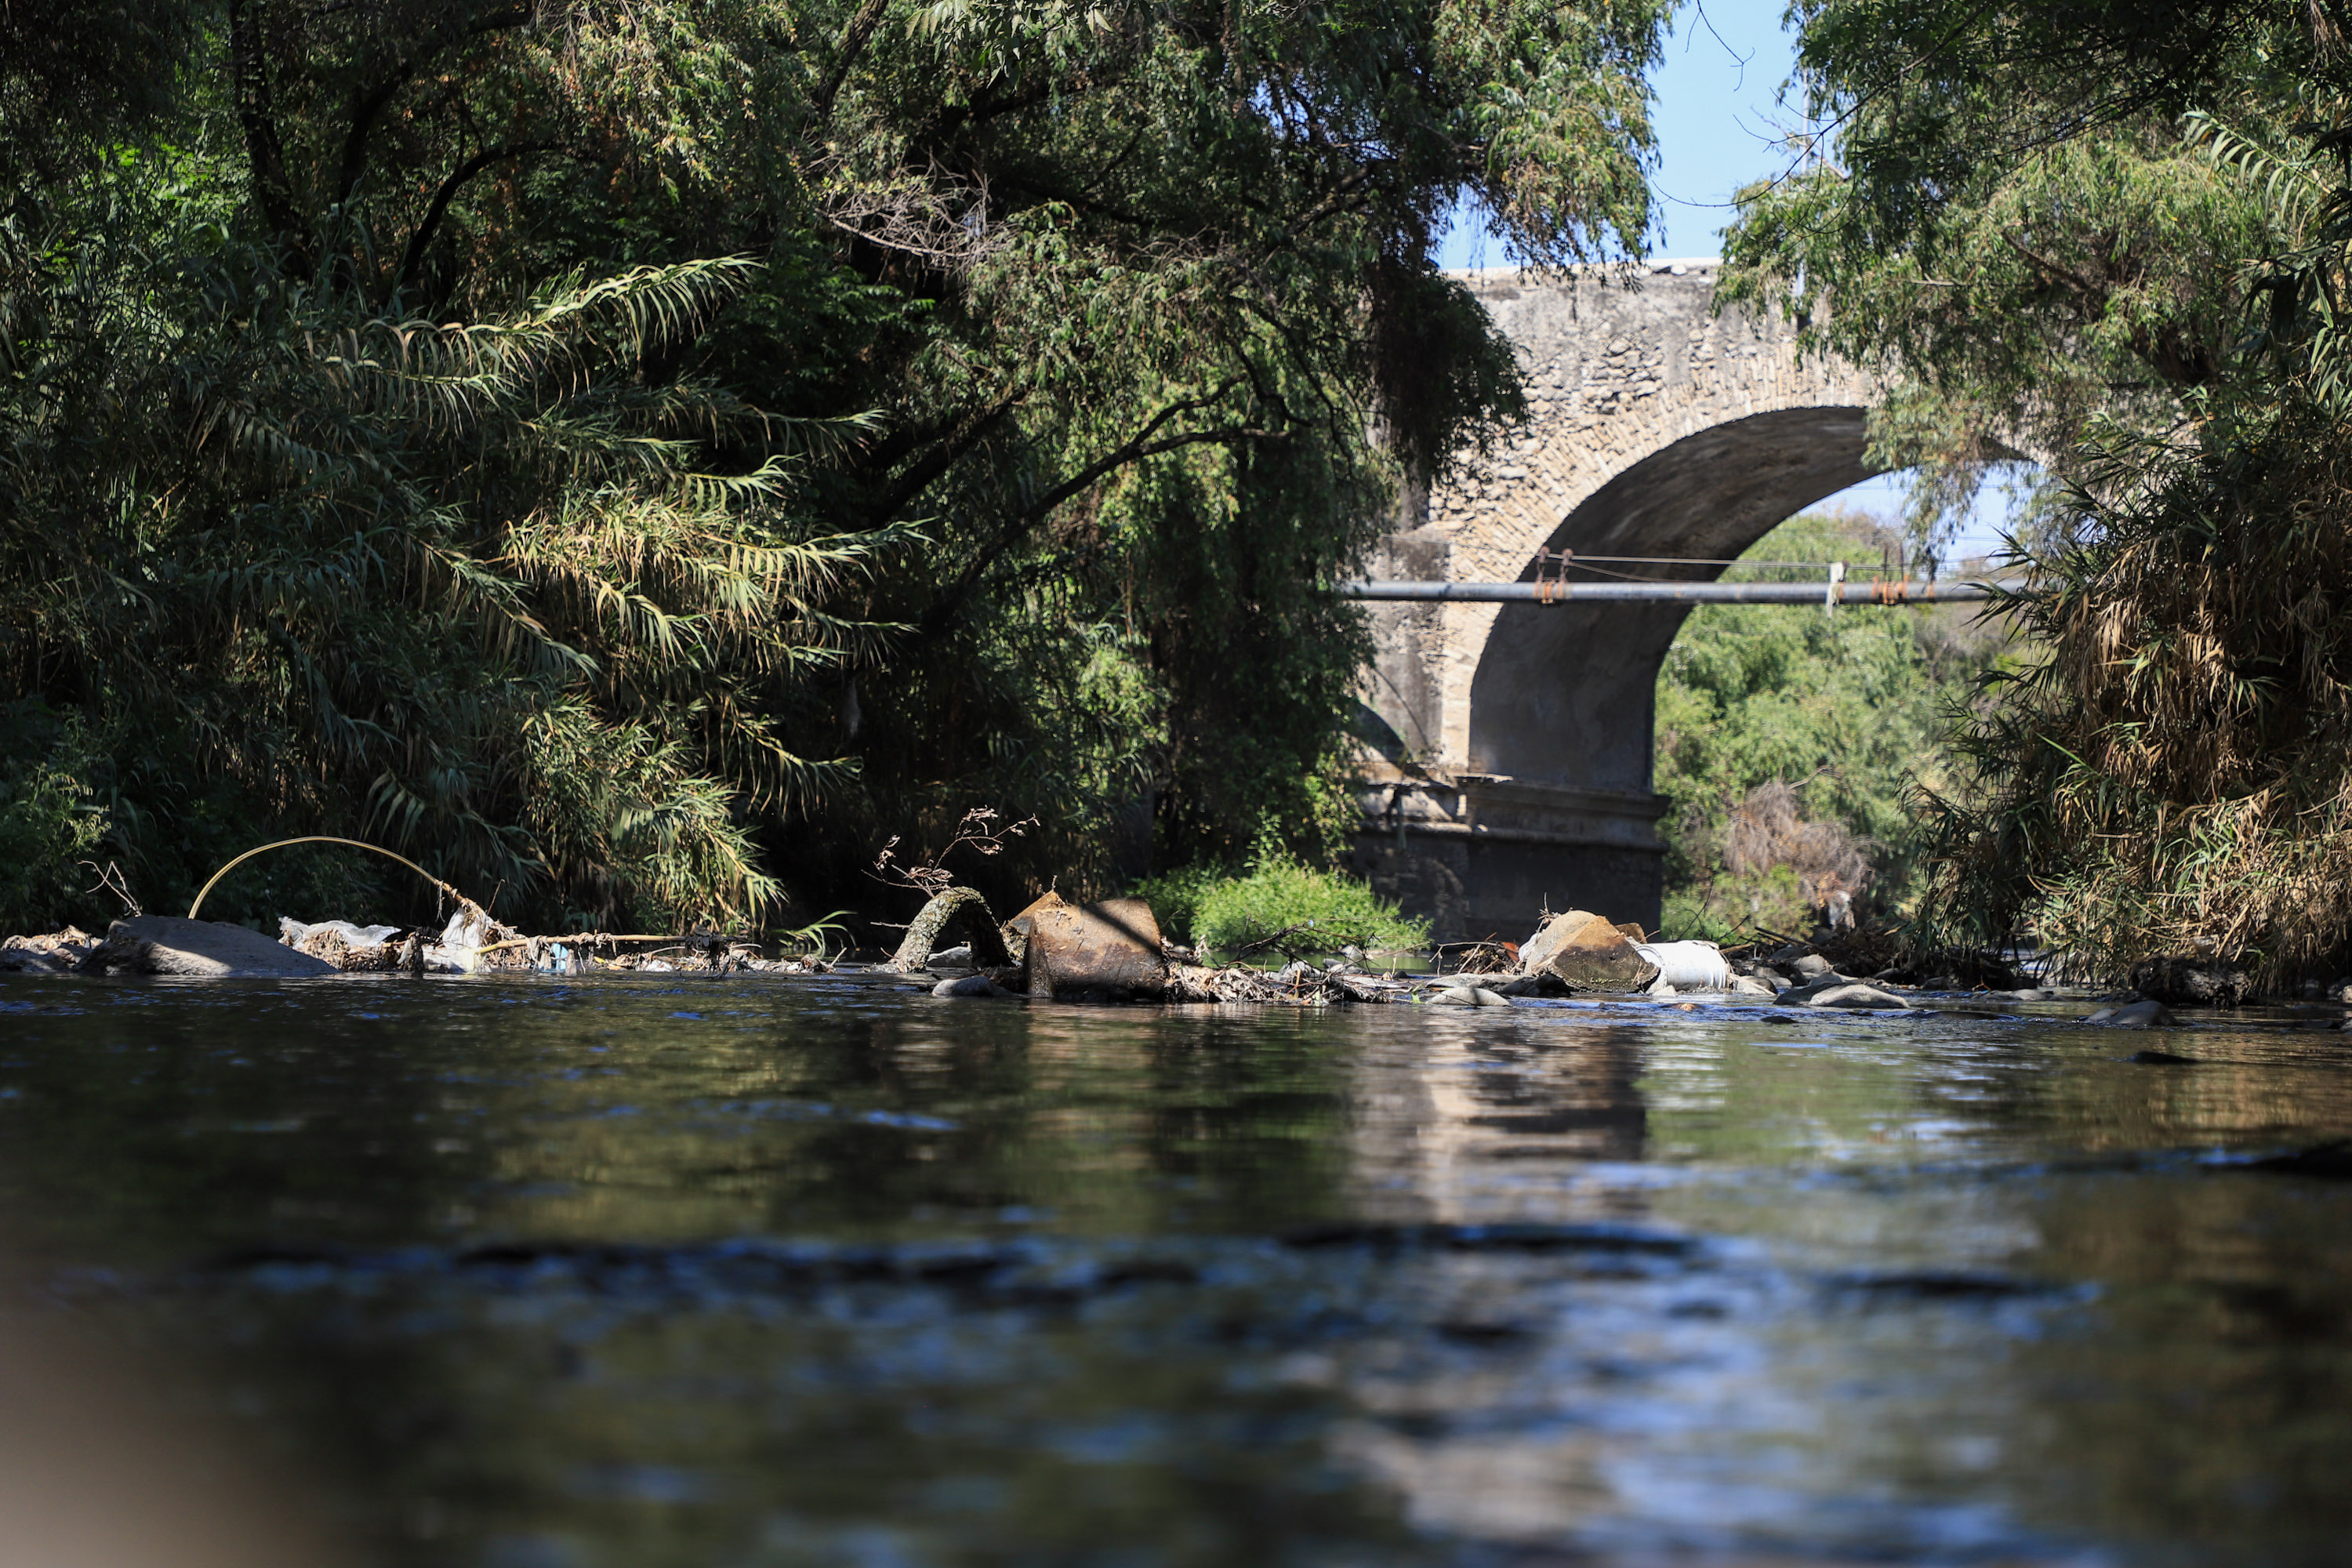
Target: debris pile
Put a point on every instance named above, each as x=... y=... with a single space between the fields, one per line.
x=59 y=953
x=1109 y=951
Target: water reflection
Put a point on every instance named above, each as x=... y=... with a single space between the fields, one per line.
x=1475 y=1122
x=646 y=1273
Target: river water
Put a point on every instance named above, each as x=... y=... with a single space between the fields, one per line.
x=528 y=1273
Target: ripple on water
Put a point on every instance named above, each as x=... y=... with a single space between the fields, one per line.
x=619 y=1272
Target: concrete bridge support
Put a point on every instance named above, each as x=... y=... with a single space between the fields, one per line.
x=1516 y=739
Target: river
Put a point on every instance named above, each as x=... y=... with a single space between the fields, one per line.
x=531 y=1273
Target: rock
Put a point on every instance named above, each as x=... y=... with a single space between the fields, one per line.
x=1749 y=985
x=1533 y=986
x=2194 y=982
x=1469 y=996
x=1854 y=994
x=58 y=952
x=1111 y=949
x=1810 y=966
x=2138 y=1015
x=1583 y=949
x=168 y=944
x=970 y=986
x=952 y=958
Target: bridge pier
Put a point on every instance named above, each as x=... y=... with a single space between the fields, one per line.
x=1480 y=857
x=1514 y=741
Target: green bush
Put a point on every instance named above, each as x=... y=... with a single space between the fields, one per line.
x=1220 y=911
x=1847 y=710
x=48 y=823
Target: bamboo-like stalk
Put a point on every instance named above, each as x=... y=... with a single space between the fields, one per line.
x=330 y=839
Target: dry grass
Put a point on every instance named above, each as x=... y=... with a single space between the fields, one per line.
x=2177 y=775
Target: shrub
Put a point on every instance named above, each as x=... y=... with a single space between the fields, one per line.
x=1222 y=912
x=48 y=824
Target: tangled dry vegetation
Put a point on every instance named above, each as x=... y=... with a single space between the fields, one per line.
x=2177 y=777
x=1769 y=830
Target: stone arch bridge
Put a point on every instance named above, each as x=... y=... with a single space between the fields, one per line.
x=1516 y=739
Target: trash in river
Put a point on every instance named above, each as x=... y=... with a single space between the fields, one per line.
x=963 y=907
x=350 y=947
x=58 y=952
x=1110 y=949
x=1687 y=965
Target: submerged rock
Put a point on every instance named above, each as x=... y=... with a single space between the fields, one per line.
x=1469 y=996
x=2138 y=1015
x=1854 y=994
x=970 y=986
x=168 y=944
x=1545 y=985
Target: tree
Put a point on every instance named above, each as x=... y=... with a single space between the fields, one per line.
x=2172 y=186
x=1789 y=740
x=606 y=449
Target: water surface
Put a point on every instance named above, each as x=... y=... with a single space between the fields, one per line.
x=676 y=1270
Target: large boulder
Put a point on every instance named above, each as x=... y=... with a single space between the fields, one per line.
x=1587 y=951
x=169 y=944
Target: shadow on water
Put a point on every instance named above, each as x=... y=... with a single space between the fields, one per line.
x=653 y=1272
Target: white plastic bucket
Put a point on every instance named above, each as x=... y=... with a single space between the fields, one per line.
x=1688 y=965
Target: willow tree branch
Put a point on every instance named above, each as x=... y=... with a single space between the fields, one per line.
x=936 y=462
x=1143 y=444
x=264 y=149
x=853 y=44
x=412 y=256
x=370 y=107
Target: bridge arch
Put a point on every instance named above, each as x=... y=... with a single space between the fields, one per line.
x=1517 y=739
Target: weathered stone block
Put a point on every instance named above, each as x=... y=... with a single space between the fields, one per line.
x=169 y=944
x=1111 y=949
x=1586 y=950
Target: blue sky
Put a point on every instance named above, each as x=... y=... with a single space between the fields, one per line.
x=1718 y=101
